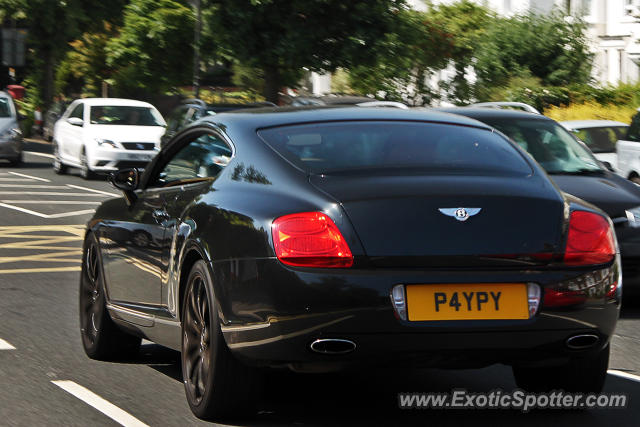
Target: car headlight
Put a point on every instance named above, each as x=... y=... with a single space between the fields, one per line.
x=106 y=143
x=633 y=217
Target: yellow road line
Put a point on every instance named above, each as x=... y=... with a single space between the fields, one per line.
x=18 y=238
x=40 y=270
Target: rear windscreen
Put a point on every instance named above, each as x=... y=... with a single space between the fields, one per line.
x=437 y=147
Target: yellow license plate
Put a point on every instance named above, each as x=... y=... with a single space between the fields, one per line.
x=473 y=301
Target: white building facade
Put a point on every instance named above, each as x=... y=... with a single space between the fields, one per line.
x=614 y=30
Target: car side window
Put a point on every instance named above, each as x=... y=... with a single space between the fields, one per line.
x=633 y=133
x=78 y=112
x=5 y=107
x=204 y=157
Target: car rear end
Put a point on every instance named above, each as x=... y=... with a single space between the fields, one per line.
x=439 y=244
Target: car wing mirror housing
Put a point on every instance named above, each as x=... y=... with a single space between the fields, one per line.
x=126 y=180
x=608 y=165
x=75 y=121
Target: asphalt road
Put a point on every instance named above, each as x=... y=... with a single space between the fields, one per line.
x=46 y=379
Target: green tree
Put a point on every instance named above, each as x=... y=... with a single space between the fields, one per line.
x=51 y=25
x=281 y=37
x=404 y=60
x=550 y=48
x=86 y=62
x=468 y=23
x=155 y=48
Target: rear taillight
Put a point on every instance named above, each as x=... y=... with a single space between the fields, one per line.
x=590 y=241
x=310 y=239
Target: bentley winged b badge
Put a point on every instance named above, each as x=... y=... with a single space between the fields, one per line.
x=461 y=214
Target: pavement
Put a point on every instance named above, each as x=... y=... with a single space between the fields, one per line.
x=46 y=379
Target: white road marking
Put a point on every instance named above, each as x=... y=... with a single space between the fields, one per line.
x=66 y=214
x=5 y=345
x=34 y=153
x=97 y=402
x=51 y=202
x=623 y=374
x=48 y=216
x=51 y=187
x=77 y=187
x=37 y=178
x=16 y=179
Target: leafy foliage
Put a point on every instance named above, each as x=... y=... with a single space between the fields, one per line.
x=281 y=37
x=86 y=62
x=154 y=50
x=406 y=57
x=592 y=111
x=468 y=23
x=559 y=56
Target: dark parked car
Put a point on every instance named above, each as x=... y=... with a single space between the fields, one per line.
x=327 y=238
x=50 y=118
x=194 y=109
x=576 y=171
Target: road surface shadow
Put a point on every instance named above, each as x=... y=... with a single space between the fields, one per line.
x=371 y=397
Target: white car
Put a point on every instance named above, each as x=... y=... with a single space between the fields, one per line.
x=601 y=137
x=106 y=134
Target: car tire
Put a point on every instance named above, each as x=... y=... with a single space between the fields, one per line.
x=585 y=375
x=216 y=384
x=18 y=160
x=85 y=171
x=58 y=167
x=101 y=337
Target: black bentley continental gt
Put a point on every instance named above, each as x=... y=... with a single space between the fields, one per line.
x=326 y=238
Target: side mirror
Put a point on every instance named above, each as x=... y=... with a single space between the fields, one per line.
x=608 y=166
x=75 y=121
x=126 y=180
x=21 y=117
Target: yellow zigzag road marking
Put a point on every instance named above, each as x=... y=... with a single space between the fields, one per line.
x=55 y=244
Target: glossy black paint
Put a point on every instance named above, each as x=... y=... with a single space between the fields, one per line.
x=605 y=189
x=270 y=313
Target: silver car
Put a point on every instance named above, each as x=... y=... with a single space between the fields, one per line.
x=601 y=137
x=10 y=134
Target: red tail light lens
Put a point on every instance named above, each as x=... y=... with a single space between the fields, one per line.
x=310 y=239
x=590 y=240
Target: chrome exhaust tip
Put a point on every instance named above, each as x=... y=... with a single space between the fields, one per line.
x=332 y=346
x=583 y=341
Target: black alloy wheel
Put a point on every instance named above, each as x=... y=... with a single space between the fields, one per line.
x=101 y=338
x=216 y=384
x=196 y=342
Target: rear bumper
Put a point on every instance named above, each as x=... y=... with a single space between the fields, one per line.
x=271 y=314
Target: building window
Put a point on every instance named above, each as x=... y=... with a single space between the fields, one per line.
x=629 y=7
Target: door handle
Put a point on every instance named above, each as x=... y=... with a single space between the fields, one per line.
x=160 y=215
